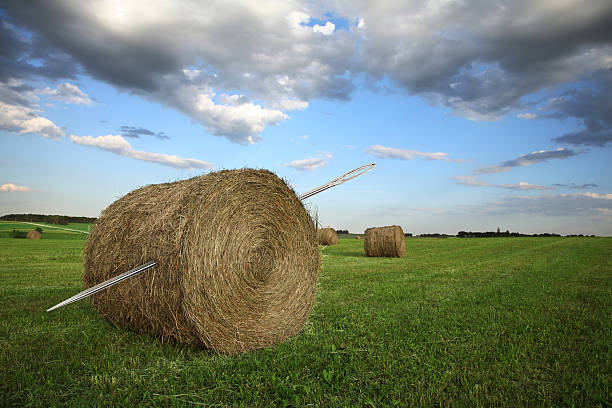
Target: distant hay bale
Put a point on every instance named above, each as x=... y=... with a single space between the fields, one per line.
x=357 y=237
x=327 y=236
x=33 y=235
x=237 y=260
x=384 y=241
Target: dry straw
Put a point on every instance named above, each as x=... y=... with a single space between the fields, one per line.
x=237 y=254
x=33 y=235
x=327 y=236
x=384 y=241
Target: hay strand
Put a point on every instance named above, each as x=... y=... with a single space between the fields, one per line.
x=327 y=236
x=237 y=254
x=384 y=241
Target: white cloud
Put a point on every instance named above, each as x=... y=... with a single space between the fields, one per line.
x=522 y=185
x=597 y=196
x=68 y=93
x=10 y=187
x=234 y=118
x=526 y=115
x=24 y=120
x=19 y=111
x=385 y=152
x=327 y=29
x=310 y=163
x=118 y=145
x=291 y=104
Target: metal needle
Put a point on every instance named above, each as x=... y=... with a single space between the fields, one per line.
x=101 y=286
x=139 y=269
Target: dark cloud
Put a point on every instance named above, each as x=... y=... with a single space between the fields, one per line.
x=594 y=134
x=592 y=104
x=136 y=132
x=577 y=186
x=529 y=159
x=479 y=58
x=26 y=55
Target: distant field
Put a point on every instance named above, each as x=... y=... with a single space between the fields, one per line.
x=50 y=231
x=456 y=322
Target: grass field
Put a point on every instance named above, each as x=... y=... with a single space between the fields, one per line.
x=456 y=322
x=50 y=231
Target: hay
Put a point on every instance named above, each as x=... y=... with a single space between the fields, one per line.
x=384 y=241
x=33 y=235
x=327 y=236
x=237 y=254
x=357 y=237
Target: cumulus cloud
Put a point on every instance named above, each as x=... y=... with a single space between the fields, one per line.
x=10 y=188
x=310 y=163
x=68 y=93
x=118 y=145
x=529 y=159
x=237 y=120
x=135 y=132
x=385 y=152
x=264 y=51
x=480 y=59
x=327 y=29
x=523 y=185
x=19 y=112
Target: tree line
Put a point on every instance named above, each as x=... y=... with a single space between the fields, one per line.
x=481 y=234
x=49 y=219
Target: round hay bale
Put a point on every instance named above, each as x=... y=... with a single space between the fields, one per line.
x=327 y=236
x=384 y=241
x=33 y=235
x=237 y=260
x=357 y=237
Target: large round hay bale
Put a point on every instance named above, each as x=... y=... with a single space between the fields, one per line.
x=327 y=236
x=384 y=241
x=33 y=235
x=237 y=260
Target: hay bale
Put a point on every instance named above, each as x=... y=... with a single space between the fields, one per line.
x=33 y=235
x=327 y=236
x=357 y=237
x=237 y=254
x=384 y=241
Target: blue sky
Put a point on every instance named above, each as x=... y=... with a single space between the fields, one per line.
x=477 y=115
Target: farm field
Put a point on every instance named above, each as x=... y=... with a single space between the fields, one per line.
x=456 y=322
x=50 y=231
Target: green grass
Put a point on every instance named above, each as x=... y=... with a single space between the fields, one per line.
x=50 y=231
x=456 y=322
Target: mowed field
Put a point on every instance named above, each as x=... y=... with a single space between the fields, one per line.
x=456 y=322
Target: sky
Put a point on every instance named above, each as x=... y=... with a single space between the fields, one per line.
x=478 y=114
